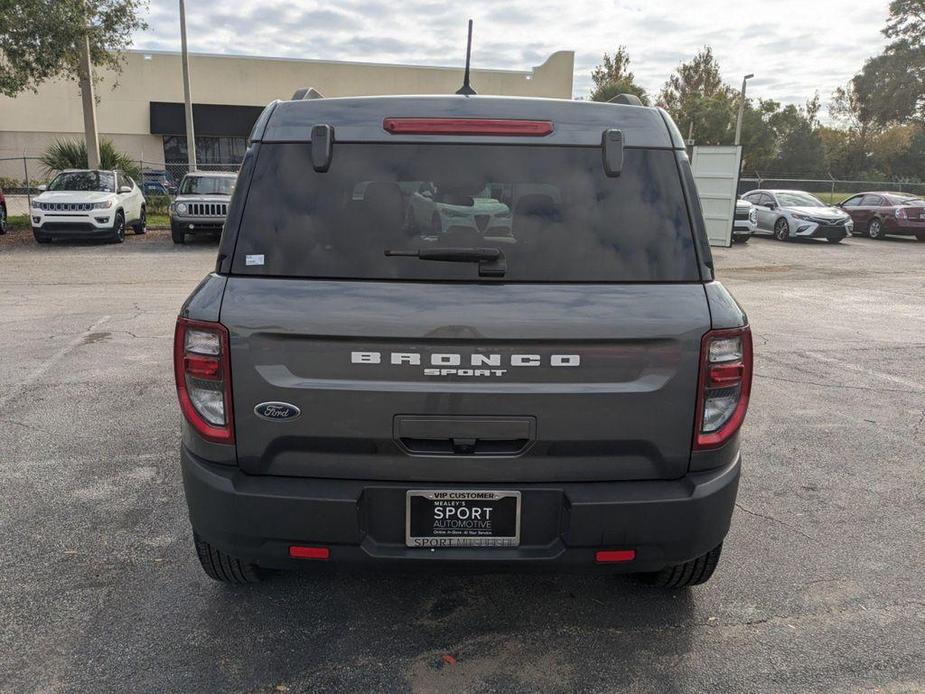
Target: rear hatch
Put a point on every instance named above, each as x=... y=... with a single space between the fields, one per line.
x=578 y=360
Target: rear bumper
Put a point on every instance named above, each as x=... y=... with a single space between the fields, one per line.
x=562 y=525
x=904 y=227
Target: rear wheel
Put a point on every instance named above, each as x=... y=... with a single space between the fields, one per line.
x=691 y=573
x=141 y=226
x=782 y=230
x=875 y=229
x=221 y=567
x=920 y=236
x=2 y=219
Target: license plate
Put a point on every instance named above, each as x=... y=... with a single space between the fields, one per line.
x=462 y=518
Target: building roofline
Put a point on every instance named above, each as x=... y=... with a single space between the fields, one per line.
x=362 y=63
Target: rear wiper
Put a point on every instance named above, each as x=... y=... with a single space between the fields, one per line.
x=491 y=260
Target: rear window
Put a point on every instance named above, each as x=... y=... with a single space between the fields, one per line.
x=551 y=211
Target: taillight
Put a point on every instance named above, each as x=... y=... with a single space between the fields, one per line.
x=202 y=368
x=724 y=386
x=467 y=126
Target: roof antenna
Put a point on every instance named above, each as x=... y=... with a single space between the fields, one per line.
x=467 y=90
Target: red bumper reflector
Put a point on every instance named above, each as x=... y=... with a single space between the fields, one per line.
x=467 y=126
x=299 y=552
x=614 y=556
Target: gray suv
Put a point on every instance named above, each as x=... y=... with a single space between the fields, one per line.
x=201 y=204
x=359 y=388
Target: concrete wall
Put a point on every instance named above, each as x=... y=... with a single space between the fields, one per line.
x=30 y=122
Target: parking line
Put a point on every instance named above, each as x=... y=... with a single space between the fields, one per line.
x=909 y=383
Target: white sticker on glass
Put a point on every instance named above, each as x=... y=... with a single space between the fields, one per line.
x=253 y=260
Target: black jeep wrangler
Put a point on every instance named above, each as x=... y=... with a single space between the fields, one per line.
x=463 y=329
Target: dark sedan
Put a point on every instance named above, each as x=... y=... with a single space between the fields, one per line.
x=879 y=214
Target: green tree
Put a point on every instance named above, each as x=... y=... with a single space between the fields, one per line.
x=891 y=86
x=702 y=105
x=613 y=77
x=40 y=39
x=800 y=149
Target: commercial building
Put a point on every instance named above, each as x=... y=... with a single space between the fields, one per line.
x=141 y=109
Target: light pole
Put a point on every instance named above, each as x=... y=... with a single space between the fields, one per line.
x=741 y=110
x=190 y=135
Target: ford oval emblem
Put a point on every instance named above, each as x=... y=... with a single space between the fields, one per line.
x=277 y=411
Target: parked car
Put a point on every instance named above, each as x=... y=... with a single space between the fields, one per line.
x=154 y=189
x=441 y=212
x=3 y=213
x=161 y=177
x=355 y=391
x=881 y=214
x=795 y=214
x=201 y=204
x=744 y=222
x=85 y=203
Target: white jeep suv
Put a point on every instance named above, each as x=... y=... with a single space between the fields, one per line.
x=84 y=203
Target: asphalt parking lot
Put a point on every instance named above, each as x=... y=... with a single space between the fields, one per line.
x=820 y=587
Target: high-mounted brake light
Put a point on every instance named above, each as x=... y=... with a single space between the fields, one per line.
x=202 y=368
x=724 y=385
x=467 y=126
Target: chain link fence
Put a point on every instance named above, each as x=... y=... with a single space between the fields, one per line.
x=834 y=189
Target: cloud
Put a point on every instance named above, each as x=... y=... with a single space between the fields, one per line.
x=794 y=47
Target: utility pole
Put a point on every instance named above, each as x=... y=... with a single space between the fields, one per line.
x=88 y=98
x=741 y=110
x=190 y=135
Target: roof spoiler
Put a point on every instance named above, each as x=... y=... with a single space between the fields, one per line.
x=626 y=99
x=306 y=93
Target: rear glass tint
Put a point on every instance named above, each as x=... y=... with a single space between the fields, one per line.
x=550 y=210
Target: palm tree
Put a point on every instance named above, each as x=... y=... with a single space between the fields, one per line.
x=72 y=154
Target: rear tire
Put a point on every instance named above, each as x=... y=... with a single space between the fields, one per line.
x=141 y=226
x=2 y=220
x=838 y=240
x=691 y=573
x=782 y=230
x=875 y=229
x=221 y=567
x=920 y=237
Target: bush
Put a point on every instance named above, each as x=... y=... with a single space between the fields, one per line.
x=72 y=154
x=157 y=204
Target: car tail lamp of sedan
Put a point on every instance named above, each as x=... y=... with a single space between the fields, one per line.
x=203 y=374
x=724 y=387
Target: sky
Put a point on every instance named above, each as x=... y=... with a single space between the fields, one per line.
x=794 y=47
